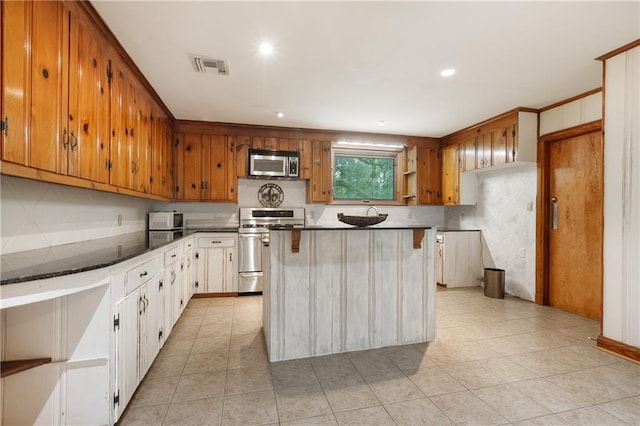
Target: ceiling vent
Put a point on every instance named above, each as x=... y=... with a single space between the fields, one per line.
x=204 y=64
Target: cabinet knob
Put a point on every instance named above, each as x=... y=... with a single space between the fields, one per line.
x=219 y=165
x=45 y=73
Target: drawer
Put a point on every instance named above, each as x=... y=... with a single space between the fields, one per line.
x=188 y=245
x=140 y=274
x=171 y=256
x=208 y=242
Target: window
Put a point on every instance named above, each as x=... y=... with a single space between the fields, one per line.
x=364 y=175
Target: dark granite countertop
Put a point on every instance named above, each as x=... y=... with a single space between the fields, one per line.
x=355 y=228
x=81 y=256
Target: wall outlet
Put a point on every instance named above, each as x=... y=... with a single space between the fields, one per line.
x=523 y=252
x=119 y=220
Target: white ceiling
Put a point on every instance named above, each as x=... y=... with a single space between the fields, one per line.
x=346 y=65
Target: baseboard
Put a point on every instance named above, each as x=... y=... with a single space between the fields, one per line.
x=209 y=295
x=618 y=348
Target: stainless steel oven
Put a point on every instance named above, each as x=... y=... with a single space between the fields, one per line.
x=253 y=242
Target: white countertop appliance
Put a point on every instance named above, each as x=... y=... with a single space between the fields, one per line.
x=253 y=241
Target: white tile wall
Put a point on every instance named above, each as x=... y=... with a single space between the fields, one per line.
x=39 y=214
x=507 y=224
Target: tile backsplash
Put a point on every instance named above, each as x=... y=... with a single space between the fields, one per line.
x=295 y=196
x=39 y=214
x=506 y=214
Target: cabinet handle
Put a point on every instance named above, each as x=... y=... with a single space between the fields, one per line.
x=230 y=257
x=160 y=285
x=144 y=274
x=173 y=256
x=173 y=277
x=206 y=184
x=74 y=140
x=140 y=305
x=513 y=155
x=65 y=138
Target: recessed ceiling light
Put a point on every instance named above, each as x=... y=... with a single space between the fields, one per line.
x=266 y=48
x=381 y=122
x=280 y=114
x=448 y=72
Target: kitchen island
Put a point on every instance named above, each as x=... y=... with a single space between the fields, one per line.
x=337 y=290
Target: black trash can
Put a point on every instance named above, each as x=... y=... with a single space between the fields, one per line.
x=494 y=283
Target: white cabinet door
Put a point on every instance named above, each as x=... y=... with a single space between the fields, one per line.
x=216 y=269
x=127 y=331
x=187 y=279
x=150 y=336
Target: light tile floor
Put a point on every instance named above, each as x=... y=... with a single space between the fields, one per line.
x=494 y=362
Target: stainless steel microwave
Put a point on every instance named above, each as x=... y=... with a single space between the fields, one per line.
x=165 y=221
x=274 y=163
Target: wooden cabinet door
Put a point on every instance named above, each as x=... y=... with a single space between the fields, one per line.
x=142 y=143
x=88 y=149
x=512 y=143
x=121 y=126
x=434 y=177
x=16 y=80
x=423 y=175
x=161 y=157
x=499 y=146
x=271 y=143
x=468 y=154
x=320 y=184
x=242 y=145
x=191 y=183
x=306 y=161
x=450 y=175
x=483 y=147
x=49 y=70
x=216 y=182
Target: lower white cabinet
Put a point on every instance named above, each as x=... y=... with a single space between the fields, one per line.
x=137 y=328
x=461 y=257
x=187 y=273
x=216 y=265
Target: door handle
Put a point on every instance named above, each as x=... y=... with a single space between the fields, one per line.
x=554 y=213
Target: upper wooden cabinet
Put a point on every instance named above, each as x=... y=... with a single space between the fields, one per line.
x=72 y=111
x=206 y=168
x=55 y=91
x=161 y=155
x=503 y=141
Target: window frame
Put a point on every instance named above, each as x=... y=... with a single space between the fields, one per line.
x=398 y=157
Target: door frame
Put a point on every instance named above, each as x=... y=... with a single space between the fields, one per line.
x=543 y=220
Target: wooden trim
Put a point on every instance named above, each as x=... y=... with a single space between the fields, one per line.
x=619 y=50
x=571 y=99
x=231 y=129
x=572 y=132
x=542 y=203
x=618 y=348
x=491 y=120
x=8 y=368
x=211 y=295
x=418 y=235
x=295 y=241
x=18 y=170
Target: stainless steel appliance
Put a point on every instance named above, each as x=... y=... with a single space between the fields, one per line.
x=274 y=163
x=165 y=221
x=253 y=241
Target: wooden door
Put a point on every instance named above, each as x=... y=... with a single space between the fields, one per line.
x=483 y=147
x=16 y=78
x=422 y=159
x=88 y=105
x=49 y=86
x=575 y=241
x=305 y=158
x=450 y=175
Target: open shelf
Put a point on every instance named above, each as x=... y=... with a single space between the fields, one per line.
x=8 y=368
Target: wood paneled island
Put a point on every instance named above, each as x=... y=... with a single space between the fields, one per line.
x=329 y=291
